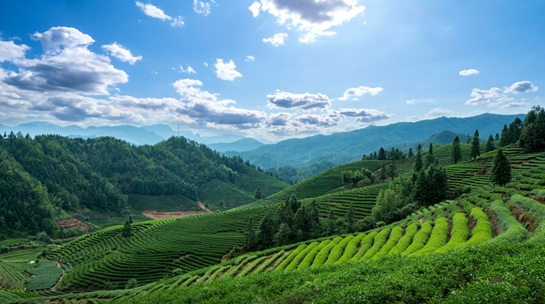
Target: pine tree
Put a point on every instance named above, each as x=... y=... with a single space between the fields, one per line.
x=251 y=238
x=127 y=229
x=475 y=146
x=504 y=139
x=490 y=144
x=418 y=164
x=258 y=195
x=381 y=154
x=411 y=153
x=430 y=159
x=456 y=150
x=501 y=170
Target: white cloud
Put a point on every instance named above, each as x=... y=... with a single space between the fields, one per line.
x=205 y=109
x=436 y=112
x=313 y=18
x=249 y=58
x=10 y=51
x=57 y=38
x=365 y=115
x=276 y=39
x=468 y=72
x=121 y=53
x=318 y=120
x=254 y=8
x=515 y=105
x=226 y=70
x=306 y=101
x=188 y=70
x=155 y=12
x=203 y=7
x=491 y=97
x=355 y=93
x=521 y=87
x=66 y=66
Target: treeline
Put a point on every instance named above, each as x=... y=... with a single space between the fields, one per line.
x=48 y=174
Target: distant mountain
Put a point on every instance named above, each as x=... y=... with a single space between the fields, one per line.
x=350 y=146
x=146 y=135
x=241 y=145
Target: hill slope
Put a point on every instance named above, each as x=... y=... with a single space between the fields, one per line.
x=101 y=174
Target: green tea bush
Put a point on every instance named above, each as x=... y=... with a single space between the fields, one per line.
x=420 y=238
x=406 y=239
x=338 y=251
x=458 y=234
x=437 y=238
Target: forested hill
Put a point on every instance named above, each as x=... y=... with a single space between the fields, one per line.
x=44 y=177
x=346 y=147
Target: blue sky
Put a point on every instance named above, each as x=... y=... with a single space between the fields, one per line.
x=268 y=69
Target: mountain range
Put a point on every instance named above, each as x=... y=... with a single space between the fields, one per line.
x=350 y=146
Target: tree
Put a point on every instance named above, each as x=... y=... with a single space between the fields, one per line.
x=475 y=146
x=456 y=152
x=497 y=137
x=282 y=237
x=532 y=138
x=258 y=195
x=418 y=163
x=127 y=229
x=411 y=153
x=504 y=139
x=501 y=170
x=430 y=159
x=381 y=154
x=251 y=238
x=490 y=144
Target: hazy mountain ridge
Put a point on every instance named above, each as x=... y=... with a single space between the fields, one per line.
x=350 y=146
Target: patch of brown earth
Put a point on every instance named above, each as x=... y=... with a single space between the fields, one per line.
x=73 y=223
x=524 y=218
x=494 y=221
x=159 y=215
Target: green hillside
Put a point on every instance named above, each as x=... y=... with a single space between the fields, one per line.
x=58 y=176
x=472 y=239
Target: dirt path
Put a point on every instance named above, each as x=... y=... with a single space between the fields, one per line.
x=203 y=207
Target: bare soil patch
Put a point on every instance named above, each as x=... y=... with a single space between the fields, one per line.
x=73 y=223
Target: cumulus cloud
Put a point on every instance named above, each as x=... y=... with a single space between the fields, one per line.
x=254 y=8
x=66 y=66
x=226 y=70
x=10 y=51
x=205 y=109
x=492 y=96
x=313 y=18
x=306 y=101
x=436 y=112
x=249 y=58
x=57 y=38
x=365 y=115
x=203 y=7
x=355 y=93
x=279 y=119
x=522 y=87
x=157 y=13
x=318 y=120
x=121 y=53
x=419 y=101
x=276 y=40
x=468 y=72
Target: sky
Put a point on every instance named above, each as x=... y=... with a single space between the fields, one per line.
x=268 y=69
